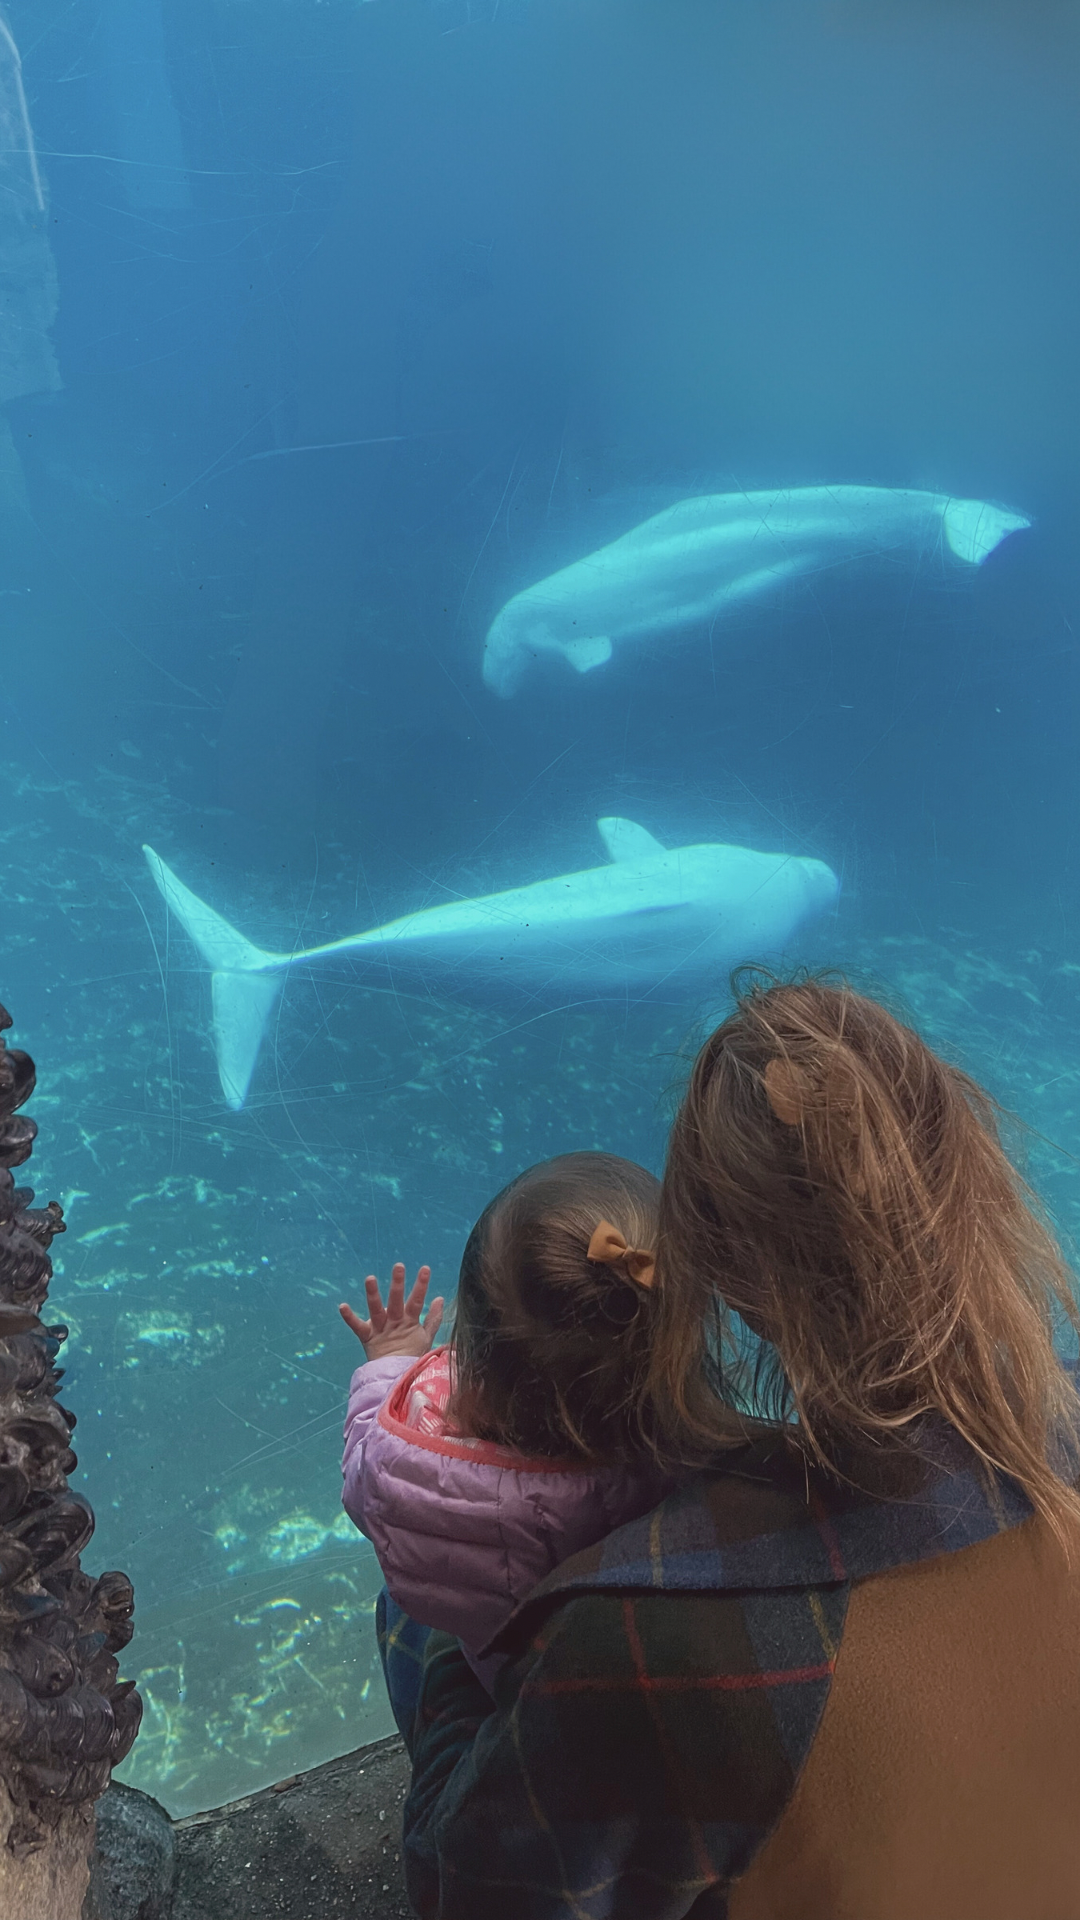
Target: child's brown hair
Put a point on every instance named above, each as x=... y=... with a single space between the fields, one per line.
x=552 y=1349
x=844 y=1190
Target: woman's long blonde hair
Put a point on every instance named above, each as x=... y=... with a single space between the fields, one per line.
x=845 y=1191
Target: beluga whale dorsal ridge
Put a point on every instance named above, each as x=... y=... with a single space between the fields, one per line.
x=654 y=917
x=704 y=555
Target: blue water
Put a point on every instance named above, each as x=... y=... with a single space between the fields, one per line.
x=369 y=314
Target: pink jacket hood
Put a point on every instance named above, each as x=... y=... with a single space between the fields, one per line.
x=464 y=1529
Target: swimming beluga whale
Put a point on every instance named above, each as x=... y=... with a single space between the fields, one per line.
x=653 y=914
x=702 y=556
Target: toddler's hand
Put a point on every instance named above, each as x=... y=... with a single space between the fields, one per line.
x=395 y=1328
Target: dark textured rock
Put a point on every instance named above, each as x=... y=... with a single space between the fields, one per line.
x=133 y=1868
x=323 y=1846
x=66 y=1718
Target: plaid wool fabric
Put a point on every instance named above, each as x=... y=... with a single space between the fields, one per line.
x=663 y=1692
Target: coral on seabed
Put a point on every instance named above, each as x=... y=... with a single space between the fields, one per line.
x=65 y=1717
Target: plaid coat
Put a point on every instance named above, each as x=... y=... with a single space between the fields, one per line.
x=663 y=1691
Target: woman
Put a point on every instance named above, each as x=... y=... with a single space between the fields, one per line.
x=836 y=1674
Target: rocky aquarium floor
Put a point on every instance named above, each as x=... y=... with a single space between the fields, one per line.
x=207 y=1251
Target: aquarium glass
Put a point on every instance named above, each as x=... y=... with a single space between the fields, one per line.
x=429 y=428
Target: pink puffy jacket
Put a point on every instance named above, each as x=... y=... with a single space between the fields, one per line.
x=465 y=1529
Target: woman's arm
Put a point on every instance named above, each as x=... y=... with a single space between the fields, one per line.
x=607 y=1782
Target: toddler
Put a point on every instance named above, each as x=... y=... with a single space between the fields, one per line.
x=476 y=1468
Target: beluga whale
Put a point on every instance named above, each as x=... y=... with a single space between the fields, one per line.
x=703 y=556
x=651 y=917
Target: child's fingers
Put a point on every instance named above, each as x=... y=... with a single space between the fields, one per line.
x=375 y=1306
x=361 y=1328
x=434 y=1318
x=414 y=1305
x=395 y=1299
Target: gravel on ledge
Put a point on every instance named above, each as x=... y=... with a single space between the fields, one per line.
x=323 y=1845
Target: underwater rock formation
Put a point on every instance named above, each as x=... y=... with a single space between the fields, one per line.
x=28 y=295
x=28 y=286
x=65 y=1717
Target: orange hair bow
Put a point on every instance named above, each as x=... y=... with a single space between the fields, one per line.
x=609 y=1249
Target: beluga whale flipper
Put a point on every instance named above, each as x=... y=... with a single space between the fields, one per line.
x=703 y=556
x=653 y=917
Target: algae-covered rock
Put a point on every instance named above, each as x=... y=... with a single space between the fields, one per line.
x=133 y=1870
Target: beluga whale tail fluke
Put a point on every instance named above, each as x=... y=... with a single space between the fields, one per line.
x=704 y=556
x=652 y=920
x=245 y=982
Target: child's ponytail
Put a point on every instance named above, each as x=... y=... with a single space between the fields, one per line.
x=552 y=1336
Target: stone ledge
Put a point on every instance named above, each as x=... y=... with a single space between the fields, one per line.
x=318 y=1846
